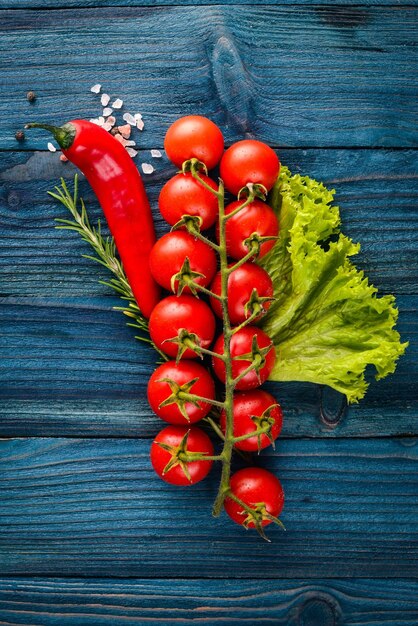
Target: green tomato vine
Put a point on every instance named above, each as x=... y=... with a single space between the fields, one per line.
x=105 y=254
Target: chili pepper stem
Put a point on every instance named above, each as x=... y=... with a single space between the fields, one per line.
x=64 y=135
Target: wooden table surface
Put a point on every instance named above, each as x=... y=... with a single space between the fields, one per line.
x=88 y=534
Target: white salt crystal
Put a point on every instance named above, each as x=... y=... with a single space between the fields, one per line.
x=105 y=99
x=156 y=154
x=129 y=143
x=100 y=120
x=131 y=152
x=107 y=126
x=125 y=131
x=94 y=121
x=107 y=111
x=117 y=104
x=96 y=88
x=129 y=118
x=147 y=168
x=51 y=147
x=140 y=125
x=120 y=139
x=111 y=120
x=138 y=116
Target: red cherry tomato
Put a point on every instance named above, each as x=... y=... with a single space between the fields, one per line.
x=255 y=486
x=249 y=404
x=194 y=136
x=170 y=252
x=172 y=436
x=175 y=313
x=241 y=343
x=241 y=283
x=184 y=195
x=257 y=218
x=249 y=161
x=182 y=374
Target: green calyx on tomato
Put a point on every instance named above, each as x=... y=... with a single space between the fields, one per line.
x=178 y=455
x=249 y=295
x=181 y=325
x=178 y=253
x=183 y=195
x=186 y=278
x=181 y=393
x=257 y=420
x=255 y=499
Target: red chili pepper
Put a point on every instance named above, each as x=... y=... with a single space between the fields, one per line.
x=121 y=193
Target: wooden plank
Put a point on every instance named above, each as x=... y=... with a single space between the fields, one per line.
x=316 y=76
x=376 y=189
x=326 y=602
x=95 y=508
x=72 y=367
x=347 y=16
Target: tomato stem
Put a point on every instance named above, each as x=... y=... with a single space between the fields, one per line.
x=228 y=332
x=190 y=397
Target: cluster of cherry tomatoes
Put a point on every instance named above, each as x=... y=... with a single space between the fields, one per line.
x=183 y=325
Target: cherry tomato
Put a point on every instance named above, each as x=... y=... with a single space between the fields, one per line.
x=255 y=403
x=176 y=313
x=194 y=136
x=175 y=411
x=255 y=486
x=257 y=218
x=241 y=343
x=241 y=284
x=175 y=437
x=249 y=161
x=184 y=195
x=171 y=251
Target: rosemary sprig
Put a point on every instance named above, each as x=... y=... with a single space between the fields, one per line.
x=105 y=254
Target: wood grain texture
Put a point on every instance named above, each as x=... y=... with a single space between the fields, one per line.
x=349 y=15
x=72 y=367
x=95 y=508
x=367 y=602
x=315 y=76
x=377 y=191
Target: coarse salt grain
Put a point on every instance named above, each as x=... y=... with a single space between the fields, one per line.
x=138 y=116
x=147 y=168
x=129 y=143
x=125 y=131
x=96 y=88
x=117 y=104
x=111 y=120
x=140 y=125
x=129 y=118
x=156 y=154
x=100 y=120
x=94 y=121
x=107 y=126
x=131 y=152
x=51 y=147
x=105 y=99
x=107 y=111
x=120 y=139
x=63 y=158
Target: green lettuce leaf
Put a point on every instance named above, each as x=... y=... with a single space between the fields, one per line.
x=327 y=323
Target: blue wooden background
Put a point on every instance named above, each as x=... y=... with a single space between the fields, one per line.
x=88 y=535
